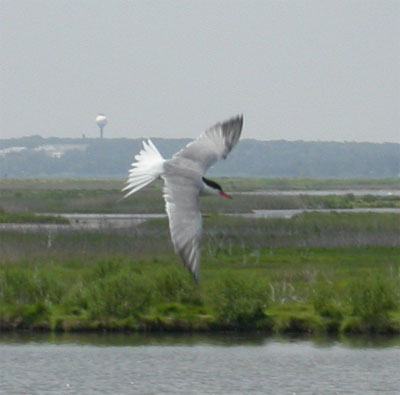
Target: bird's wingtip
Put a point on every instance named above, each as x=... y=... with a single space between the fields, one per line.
x=238 y=118
x=235 y=123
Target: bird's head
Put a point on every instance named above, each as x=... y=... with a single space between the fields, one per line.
x=213 y=188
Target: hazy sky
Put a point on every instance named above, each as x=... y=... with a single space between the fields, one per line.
x=311 y=70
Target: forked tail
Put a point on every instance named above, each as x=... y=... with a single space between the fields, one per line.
x=147 y=168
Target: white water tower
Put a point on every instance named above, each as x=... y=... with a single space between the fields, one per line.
x=101 y=121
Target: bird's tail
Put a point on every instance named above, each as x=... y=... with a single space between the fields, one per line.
x=147 y=168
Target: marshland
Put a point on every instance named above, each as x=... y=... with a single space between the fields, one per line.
x=315 y=272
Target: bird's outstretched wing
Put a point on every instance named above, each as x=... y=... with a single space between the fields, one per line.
x=211 y=146
x=181 y=196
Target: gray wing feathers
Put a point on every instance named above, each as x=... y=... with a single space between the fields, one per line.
x=185 y=223
x=212 y=145
x=230 y=132
x=182 y=177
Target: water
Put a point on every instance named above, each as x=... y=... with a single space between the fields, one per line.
x=125 y=221
x=288 y=213
x=341 y=192
x=138 y=364
x=109 y=222
x=98 y=221
x=86 y=222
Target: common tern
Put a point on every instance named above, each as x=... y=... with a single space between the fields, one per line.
x=184 y=183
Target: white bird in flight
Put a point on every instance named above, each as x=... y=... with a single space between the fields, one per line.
x=184 y=183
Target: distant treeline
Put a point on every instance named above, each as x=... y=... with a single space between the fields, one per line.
x=251 y=158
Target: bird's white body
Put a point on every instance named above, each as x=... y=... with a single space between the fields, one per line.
x=184 y=182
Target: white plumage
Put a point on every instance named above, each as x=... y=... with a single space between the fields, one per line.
x=147 y=168
x=184 y=183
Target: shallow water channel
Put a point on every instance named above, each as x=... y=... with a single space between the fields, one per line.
x=123 y=221
x=339 y=192
x=197 y=364
x=94 y=221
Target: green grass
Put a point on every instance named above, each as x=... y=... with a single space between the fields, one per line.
x=232 y=238
x=30 y=218
x=335 y=290
x=319 y=273
x=303 y=184
x=232 y=184
x=151 y=201
x=105 y=196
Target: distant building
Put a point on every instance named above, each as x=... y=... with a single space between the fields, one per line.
x=57 y=151
x=11 y=150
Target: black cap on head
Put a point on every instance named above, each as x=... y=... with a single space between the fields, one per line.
x=212 y=184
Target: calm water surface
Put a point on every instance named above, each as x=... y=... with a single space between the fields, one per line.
x=109 y=222
x=139 y=364
x=356 y=192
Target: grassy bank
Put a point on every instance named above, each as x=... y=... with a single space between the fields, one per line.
x=335 y=290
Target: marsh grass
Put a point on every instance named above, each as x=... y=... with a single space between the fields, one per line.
x=239 y=299
x=372 y=299
x=310 y=273
x=288 y=290
x=31 y=218
x=299 y=184
x=105 y=196
x=237 y=184
x=228 y=235
x=227 y=238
